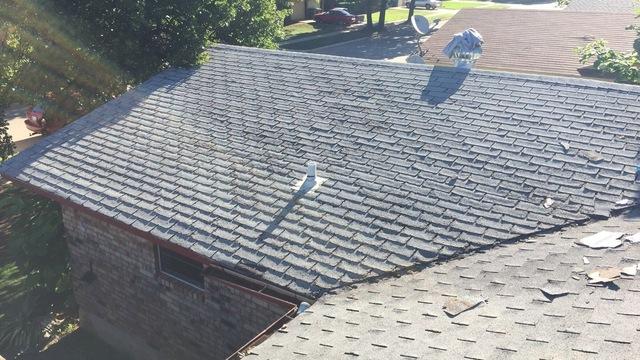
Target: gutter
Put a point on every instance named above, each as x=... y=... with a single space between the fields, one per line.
x=269 y=330
x=286 y=294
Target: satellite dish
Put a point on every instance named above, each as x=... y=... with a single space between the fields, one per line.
x=420 y=24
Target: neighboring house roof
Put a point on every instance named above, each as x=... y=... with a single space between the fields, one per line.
x=604 y=6
x=531 y=41
x=420 y=163
x=403 y=318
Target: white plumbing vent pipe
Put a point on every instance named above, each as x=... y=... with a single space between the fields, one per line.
x=311 y=169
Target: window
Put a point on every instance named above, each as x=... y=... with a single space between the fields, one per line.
x=180 y=267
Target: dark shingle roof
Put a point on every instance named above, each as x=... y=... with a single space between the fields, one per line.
x=403 y=318
x=419 y=163
x=604 y=6
x=527 y=41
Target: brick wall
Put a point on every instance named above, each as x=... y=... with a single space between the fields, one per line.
x=129 y=305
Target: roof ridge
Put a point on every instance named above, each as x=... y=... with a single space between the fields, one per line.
x=577 y=82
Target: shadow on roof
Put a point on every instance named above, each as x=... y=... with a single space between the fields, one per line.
x=444 y=81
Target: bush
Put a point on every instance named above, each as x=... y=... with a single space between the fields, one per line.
x=37 y=246
x=625 y=67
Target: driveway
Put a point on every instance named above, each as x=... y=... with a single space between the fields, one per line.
x=19 y=133
x=395 y=44
x=398 y=42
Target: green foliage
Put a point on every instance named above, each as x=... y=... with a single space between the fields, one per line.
x=37 y=248
x=624 y=66
x=49 y=67
x=7 y=146
x=563 y=2
x=78 y=54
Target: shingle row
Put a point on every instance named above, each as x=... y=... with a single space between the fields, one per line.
x=417 y=164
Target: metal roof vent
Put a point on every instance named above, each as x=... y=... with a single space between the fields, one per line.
x=465 y=48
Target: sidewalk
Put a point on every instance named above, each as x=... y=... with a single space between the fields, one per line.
x=16 y=115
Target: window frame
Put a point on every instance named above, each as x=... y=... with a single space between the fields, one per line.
x=200 y=285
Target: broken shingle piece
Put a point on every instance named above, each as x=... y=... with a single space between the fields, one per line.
x=552 y=292
x=454 y=306
x=601 y=276
x=633 y=238
x=630 y=270
x=591 y=155
x=602 y=240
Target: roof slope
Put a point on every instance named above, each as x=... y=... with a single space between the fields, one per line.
x=604 y=6
x=533 y=41
x=403 y=318
x=419 y=163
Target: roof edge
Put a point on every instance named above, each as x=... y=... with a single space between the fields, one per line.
x=578 y=82
x=171 y=246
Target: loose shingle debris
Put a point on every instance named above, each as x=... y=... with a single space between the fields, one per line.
x=633 y=238
x=602 y=240
x=599 y=319
x=591 y=155
x=585 y=260
x=552 y=292
x=624 y=202
x=548 y=202
x=454 y=306
x=630 y=270
x=601 y=276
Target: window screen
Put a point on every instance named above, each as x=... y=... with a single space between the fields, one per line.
x=180 y=267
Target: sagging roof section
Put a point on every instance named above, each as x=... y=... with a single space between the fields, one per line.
x=538 y=303
x=418 y=163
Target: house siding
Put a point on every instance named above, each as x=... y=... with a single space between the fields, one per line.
x=125 y=301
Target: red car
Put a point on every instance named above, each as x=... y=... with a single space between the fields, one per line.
x=336 y=16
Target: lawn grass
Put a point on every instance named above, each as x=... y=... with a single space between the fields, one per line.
x=446 y=11
x=325 y=41
x=303 y=29
x=400 y=14
x=466 y=4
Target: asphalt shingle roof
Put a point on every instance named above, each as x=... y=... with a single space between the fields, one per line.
x=420 y=163
x=403 y=318
x=606 y=6
x=534 y=41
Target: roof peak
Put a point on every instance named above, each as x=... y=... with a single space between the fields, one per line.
x=551 y=79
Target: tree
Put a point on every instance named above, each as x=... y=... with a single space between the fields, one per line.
x=412 y=8
x=6 y=143
x=45 y=305
x=85 y=52
x=369 y=10
x=383 y=11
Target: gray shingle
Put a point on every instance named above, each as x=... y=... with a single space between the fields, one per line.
x=603 y=6
x=402 y=317
x=412 y=158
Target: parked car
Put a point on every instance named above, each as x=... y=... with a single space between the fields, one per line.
x=427 y=4
x=336 y=16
